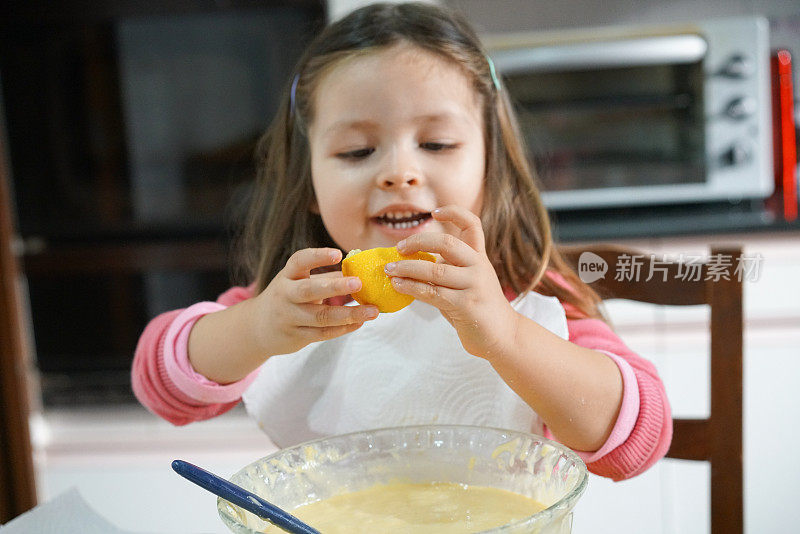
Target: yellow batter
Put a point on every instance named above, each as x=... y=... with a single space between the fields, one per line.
x=436 y=508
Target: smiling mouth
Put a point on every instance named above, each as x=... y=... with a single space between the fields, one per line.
x=402 y=220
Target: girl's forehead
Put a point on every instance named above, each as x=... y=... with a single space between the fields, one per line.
x=402 y=54
x=402 y=81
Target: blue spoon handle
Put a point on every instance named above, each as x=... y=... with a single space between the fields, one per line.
x=241 y=497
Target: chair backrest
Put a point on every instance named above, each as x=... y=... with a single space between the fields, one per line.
x=716 y=282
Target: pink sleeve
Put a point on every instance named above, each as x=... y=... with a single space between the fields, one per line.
x=628 y=412
x=162 y=377
x=643 y=431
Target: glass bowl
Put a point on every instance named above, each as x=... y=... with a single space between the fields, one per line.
x=527 y=464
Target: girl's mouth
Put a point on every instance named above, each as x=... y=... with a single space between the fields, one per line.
x=402 y=220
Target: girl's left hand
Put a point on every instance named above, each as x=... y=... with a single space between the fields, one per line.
x=464 y=287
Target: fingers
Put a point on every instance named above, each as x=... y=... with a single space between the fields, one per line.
x=324 y=316
x=300 y=264
x=458 y=248
x=452 y=249
x=328 y=332
x=440 y=274
x=443 y=298
x=467 y=223
x=318 y=288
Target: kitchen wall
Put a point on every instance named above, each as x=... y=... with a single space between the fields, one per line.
x=522 y=15
x=489 y=16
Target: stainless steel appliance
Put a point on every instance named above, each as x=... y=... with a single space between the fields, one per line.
x=639 y=115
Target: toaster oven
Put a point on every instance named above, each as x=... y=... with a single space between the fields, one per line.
x=637 y=115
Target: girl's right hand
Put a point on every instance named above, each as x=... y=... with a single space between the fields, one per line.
x=290 y=313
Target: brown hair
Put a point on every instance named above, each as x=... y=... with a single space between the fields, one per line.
x=516 y=224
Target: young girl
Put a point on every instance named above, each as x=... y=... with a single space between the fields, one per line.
x=397 y=131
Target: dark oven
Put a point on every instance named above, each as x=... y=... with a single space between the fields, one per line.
x=129 y=129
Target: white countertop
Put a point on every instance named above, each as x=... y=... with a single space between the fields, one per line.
x=118 y=458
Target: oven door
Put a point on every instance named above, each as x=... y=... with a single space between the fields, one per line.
x=601 y=119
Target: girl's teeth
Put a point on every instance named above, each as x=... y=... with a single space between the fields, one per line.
x=403 y=225
x=403 y=215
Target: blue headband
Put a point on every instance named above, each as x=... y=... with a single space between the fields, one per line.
x=495 y=79
x=292 y=94
x=293 y=91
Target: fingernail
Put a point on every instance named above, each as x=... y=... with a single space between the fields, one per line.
x=401 y=244
x=371 y=312
x=390 y=267
x=353 y=283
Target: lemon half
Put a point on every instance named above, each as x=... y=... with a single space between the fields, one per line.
x=376 y=287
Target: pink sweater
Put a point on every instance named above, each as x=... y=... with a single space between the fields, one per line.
x=164 y=382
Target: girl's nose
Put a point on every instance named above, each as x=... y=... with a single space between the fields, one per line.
x=390 y=181
x=400 y=170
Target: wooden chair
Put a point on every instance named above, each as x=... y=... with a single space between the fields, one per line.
x=717 y=283
x=17 y=484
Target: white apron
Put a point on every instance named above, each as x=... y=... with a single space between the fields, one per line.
x=403 y=368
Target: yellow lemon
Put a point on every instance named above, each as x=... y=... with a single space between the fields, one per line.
x=376 y=287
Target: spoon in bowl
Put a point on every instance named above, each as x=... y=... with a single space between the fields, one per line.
x=241 y=497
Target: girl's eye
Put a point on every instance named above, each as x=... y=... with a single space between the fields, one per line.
x=356 y=154
x=364 y=152
x=437 y=147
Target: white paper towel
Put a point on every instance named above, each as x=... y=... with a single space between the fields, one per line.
x=67 y=512
x=403 y=368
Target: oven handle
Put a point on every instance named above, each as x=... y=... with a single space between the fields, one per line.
x=660 y=50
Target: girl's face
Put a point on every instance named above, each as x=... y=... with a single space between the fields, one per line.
x=396 y=133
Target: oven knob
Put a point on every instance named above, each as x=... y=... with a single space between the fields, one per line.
x=741 y=108
x=738 y=66
x=739 y=153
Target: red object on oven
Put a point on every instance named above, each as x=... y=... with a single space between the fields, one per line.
x=785 y=147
